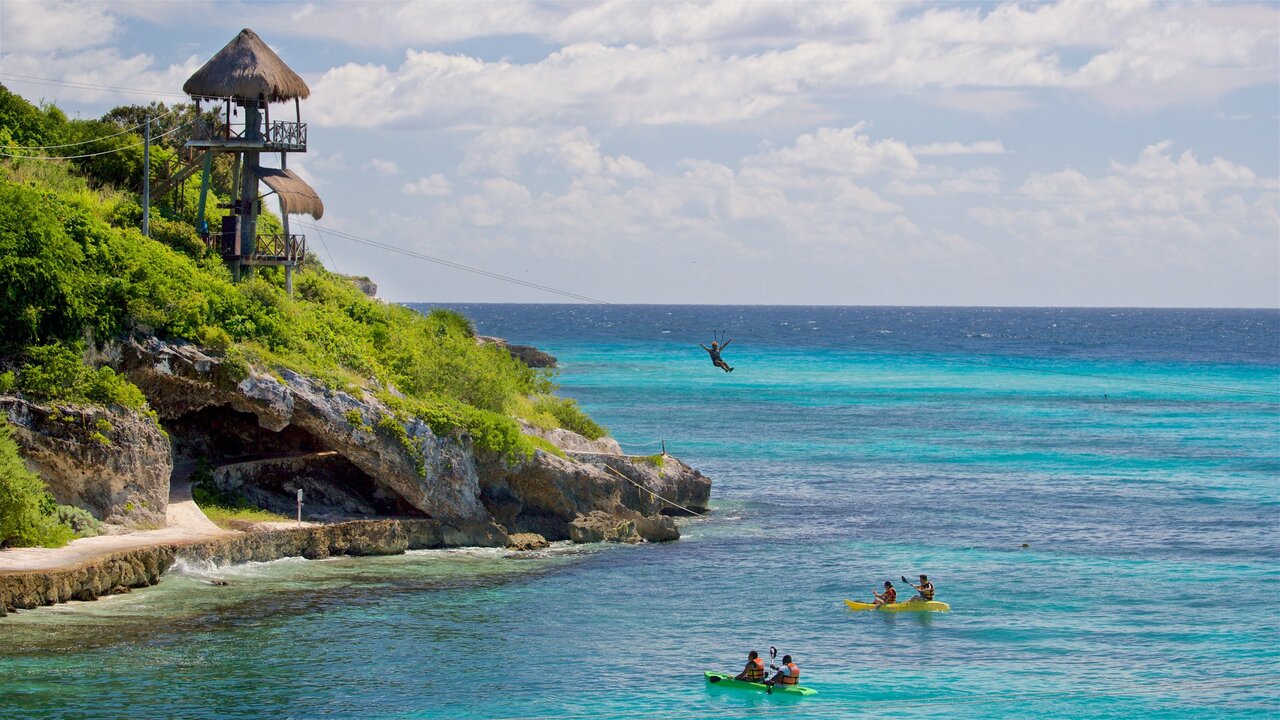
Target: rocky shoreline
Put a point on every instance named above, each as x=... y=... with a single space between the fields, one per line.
x=377 y=481
x=123 y=571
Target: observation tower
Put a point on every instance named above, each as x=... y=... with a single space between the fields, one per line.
x=246 y=78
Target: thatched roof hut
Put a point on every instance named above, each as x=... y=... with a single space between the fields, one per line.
x=246 y=68
x=296 y=196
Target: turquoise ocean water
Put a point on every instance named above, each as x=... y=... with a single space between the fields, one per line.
x=1136 y=453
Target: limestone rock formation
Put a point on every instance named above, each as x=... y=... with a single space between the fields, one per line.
x=234 y=414
x=112 y=462
x=570 y=441
x=432 y=474
x=548 y=494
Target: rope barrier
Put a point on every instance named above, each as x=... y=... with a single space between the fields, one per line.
x=656 y=495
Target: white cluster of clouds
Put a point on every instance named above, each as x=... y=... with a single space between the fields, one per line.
x=843 y=197
x=537 y=171
x=1165 y=209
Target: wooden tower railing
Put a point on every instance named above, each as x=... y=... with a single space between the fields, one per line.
x=275 y=249
x=279 y=135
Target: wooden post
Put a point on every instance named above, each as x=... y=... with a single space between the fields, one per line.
x=249 y=183
x=146 y=180
x=299 y=506
x=204 y=191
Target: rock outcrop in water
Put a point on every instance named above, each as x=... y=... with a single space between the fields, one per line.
x=527 y=354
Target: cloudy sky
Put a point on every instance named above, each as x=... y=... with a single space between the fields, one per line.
x=1060 y=153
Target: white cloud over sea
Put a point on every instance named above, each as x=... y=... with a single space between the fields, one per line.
x=1050 y=153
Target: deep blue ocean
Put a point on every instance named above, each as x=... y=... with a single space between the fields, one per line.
x=1096 y=492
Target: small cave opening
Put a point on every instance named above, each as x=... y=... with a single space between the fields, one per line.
x=224 y=450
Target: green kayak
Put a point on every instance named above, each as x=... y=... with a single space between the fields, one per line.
x=726 y=681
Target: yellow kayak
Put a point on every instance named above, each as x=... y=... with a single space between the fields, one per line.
x=909 y=606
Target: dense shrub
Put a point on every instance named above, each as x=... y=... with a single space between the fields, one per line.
x=57 y=372
x=73 y=264
x=570 y=416
x=28 y=514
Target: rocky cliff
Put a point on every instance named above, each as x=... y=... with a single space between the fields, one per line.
x=114 y=463
x=230 y=414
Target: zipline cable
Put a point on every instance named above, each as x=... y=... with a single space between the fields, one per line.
x=946 y=357
x=458 y=266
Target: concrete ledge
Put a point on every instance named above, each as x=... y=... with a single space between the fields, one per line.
x=119 y=572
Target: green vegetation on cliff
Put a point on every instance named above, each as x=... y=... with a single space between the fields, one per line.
x=28 y=515
x=75 y=274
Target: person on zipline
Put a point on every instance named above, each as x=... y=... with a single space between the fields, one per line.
x=714 y=352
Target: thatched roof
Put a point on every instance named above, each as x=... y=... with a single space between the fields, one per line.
x=246 y=68
x=296 y=195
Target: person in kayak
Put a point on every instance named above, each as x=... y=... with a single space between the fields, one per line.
x=925 y=589
x=788 y=674
x=754 y=672
x=714 y=351
x=890 y=595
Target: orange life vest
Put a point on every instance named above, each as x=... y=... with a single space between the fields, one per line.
x=890 y=595
x=926 y=590
x=793 y=678
x=755 y=670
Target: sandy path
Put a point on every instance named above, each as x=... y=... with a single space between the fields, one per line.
x=186 y=524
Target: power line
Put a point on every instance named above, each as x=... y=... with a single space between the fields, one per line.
x=126 y=131
x=85 y=86
x=460 y=266
x=96 y=154
x=115 y=88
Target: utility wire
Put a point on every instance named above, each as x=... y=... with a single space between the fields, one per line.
x=459 y=266
x=114 y=88
x=85 y=86
x=93 y=140
x=96 y=154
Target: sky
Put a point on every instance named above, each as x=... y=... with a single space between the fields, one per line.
x=909 y=153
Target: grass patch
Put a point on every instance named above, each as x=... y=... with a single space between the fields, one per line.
x=659 y=461
x=226 y=517
x=545 y=446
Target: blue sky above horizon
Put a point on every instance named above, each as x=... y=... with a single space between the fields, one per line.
x=1063 y=153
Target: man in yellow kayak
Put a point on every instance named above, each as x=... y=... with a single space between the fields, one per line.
x=890 y=595
x=925 y=588
x=754 y=672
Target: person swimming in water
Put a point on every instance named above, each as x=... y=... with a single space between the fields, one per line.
x=714 y=351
